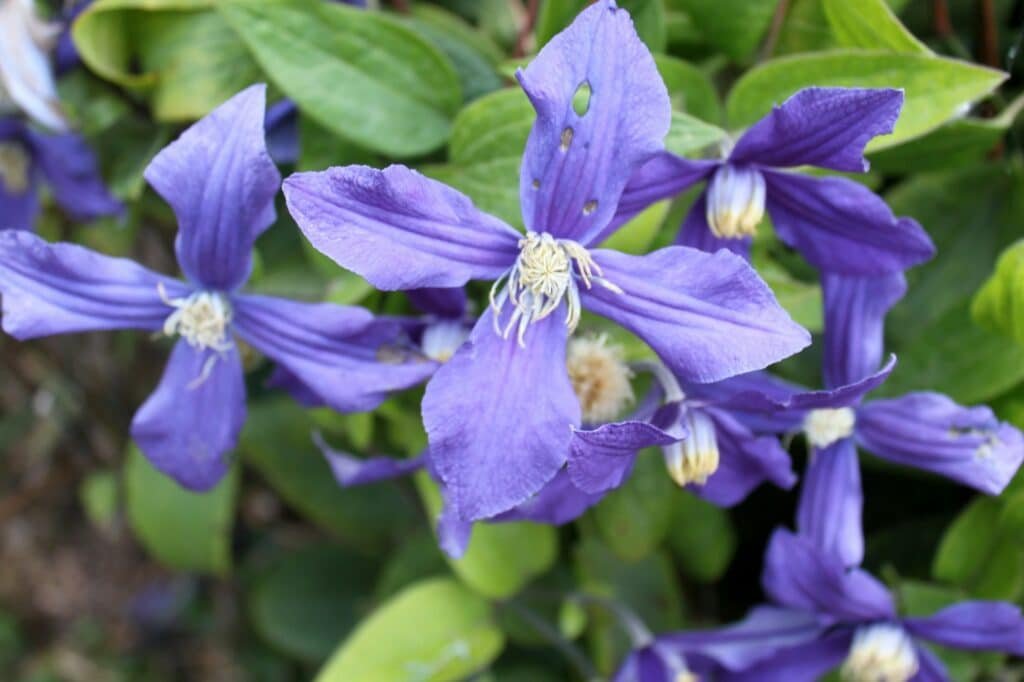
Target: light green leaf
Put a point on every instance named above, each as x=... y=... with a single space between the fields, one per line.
x=702 y=537
x=305 y=602
x=802 y=300
x=502 y=557
x=553 y=16
x=690 y=88
x=638 y=234
x=649 y=19
x=99 y=496
x=733 y=26
x=363 y=75
x=634 y=518
x=474 y=56
x=689 y=135
x=937 y=89
x=433 y=631
x=978 y=555
x=999 y=305
x=183 y=530
x=872 y=25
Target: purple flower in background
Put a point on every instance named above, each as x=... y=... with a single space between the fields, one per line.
x=837 y=224
x=858 y=627
x=66 y=53
x=713 y=454
x=26 y=74
x=221 y=183
x=924 y=430
x=501 y=414
x=63 y=161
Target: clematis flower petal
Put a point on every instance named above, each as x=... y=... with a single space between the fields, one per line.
x=974 y=626
x=601 y=459
x=801 y=575
x=765 y=630
x=745 y=462
x=399 y=229
x=61 y=288
x=447 y=302
x=332 y=350
x=931 y=432
x=71 y=169
x=190 y=424
x=696 y=233
x=220 y=181
x=824 y=127
x=576 y=165
x=351 y=471
x=708 y=316
x=931 y=668
x=807 y=662
x=843 y=396
x=500 y=417
x=453 y=532
x=855 y=310
x=25 y=72
x=832 y=502
x=558 y=502
x=841 y=226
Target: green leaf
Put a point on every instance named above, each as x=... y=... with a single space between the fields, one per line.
x=690 y=88
x=363 y=75
x=999 y=305
x=702 y=538
x=277 y=442
x=555 y=15
x=99 y=496
x=183 y=530
x=502 y=557
x=474 y=56
x=872 y=25
x=733 y=26
x=802 y=300
x=179 y=53
x=638 y=234
x=634 y=518
x=435 y=630
x=978 y=555
x=306 y=601
x=689 y=134
x=649 y=19
x=937 y=89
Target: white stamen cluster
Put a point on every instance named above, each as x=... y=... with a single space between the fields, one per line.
x=441 y=339
x=880 y=653
x=201 y=319
x=825 y=426
x=600 y=378
x=14 y=167
x=695 y=458
x=735 y=203
x=546 y=271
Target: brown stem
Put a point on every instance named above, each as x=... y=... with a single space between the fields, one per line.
x=524 y=33
x=940 y=19
x=989 y=33
x=775 y=30
x=401 y=6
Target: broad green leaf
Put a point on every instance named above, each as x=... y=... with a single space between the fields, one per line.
x=634 y=518
x=978 y=555
x=872 y=25
x=363 y=75
x=733 y=26
x=999 y=305
x=690 y=88
x=702 y=538
x=689 y=134
x=638 y=234
x=937 y=89
x=417 y=557
x=434 y=631
x=502 y=557
x=179 y=53
x=971 y=216
x=806 y=27
x=649 y=19
x=553 y=16
x=802 y=300
x=474 y=56
x=918 y=598
x=183 y=530
x=306 y=601
x=277 y=442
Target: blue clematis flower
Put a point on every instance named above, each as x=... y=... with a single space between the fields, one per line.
x=501 y=414
x=63 y=160
x=221 y=183
x=837 y=224
x=26 y=75
x=924 y=430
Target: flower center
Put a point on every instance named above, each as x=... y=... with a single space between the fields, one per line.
x=201 y=319
x=828 y=425
x=735 y=203
x=14 y=165
x=695 y=458
x=545 y=272
x=599 y=377
x=880 y=653
x=441 y=340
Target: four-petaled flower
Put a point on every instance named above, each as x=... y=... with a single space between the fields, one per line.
x=221 y=184
x=500 y=415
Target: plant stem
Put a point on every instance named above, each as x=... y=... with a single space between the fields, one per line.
x=571 y=652
x=778 y=21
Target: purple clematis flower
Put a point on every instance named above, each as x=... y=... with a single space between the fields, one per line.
x=501 y=414
x=26 y=75
x=713 y=453
x=63 y=160
x=924 y=430
x=221 y=184
x=837 y=224
x=858 y=627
